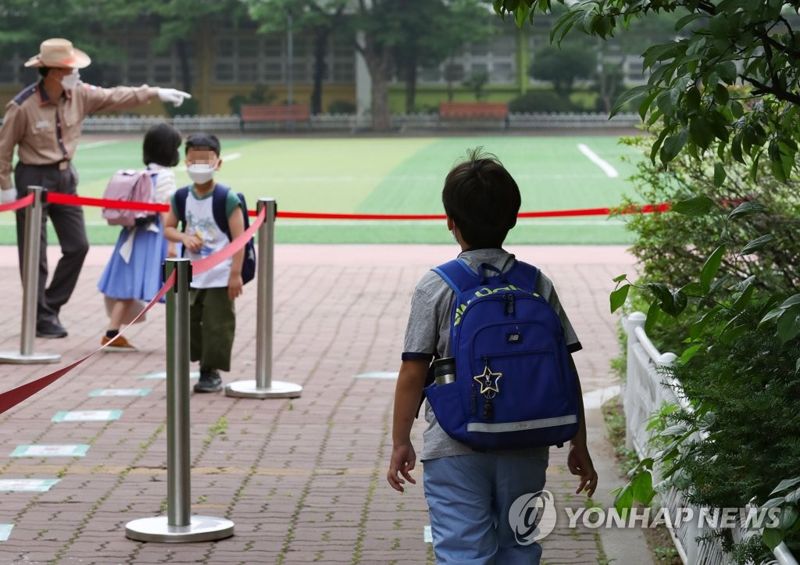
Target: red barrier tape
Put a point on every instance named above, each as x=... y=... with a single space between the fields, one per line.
x=17 y=204
x=649 y=208
x=11 y=398
x=58 y=198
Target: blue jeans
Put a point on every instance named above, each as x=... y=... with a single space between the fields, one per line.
x=469 y=497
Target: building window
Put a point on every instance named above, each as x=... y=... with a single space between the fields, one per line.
x=262 y=59
x=430 y=74
x=12 y=71
x=502 y=73
x=8 y=73
x=495 y=56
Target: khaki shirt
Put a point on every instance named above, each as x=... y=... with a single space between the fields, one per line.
x=48 y=132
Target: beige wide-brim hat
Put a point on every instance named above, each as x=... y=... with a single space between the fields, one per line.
x=59 y=53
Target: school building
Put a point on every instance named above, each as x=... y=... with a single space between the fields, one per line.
x=235 y=60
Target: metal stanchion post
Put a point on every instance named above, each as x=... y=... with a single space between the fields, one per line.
x=263 y=386
x=178 y=525
x=30 y=287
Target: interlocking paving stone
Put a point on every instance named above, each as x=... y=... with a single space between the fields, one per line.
x=303 y=479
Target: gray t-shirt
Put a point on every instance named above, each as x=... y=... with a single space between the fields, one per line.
x=428 y=334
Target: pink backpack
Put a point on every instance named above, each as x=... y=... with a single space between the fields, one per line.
x=129 y=186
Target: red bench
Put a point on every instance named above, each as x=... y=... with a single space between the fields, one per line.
x=473 y=110
x=283 y=113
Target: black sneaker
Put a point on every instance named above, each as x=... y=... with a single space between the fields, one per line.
x=209 y=381
x=50 y=329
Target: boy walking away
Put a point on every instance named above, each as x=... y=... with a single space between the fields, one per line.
x=503 y=386
x=196 y=207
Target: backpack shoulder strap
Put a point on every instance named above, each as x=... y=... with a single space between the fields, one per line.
x=180 y=204
x=218 y=206
x=243 y=206
x=457 y=275
x=523 y=275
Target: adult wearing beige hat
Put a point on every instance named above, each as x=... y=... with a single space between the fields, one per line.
x=44 y=122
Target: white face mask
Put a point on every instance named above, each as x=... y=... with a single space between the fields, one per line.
x=200 y=173
x=71 y=80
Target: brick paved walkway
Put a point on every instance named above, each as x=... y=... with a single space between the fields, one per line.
x=303 y=480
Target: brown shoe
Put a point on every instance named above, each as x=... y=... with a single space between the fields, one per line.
x=117 y=344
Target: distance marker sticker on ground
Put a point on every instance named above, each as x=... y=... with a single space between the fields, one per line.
x=5 y=531
x=163 y=375
x=379 y=375
x=76 y=450
x=26 y=485
x=120 y=392
x=87 y=416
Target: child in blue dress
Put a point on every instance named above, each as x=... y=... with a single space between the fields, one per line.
x=133 y=274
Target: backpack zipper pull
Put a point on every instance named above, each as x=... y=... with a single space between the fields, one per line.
x=509 y=304
x=488 y=408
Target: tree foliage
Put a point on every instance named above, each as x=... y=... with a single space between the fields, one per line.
x=727 y=84
x=720 y=276
x=563 y=65
x=318 y=17
x=432 y=32
x=406 y=33
x=720 y=270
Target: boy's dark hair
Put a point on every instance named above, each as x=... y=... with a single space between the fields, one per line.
x=482 y=199
x=161 y=143
x=43 y=71
x=203 y=141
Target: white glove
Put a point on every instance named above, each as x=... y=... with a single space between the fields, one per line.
x=8 y=195
x=173 y=96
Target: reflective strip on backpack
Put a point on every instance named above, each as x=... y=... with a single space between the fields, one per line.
x=504 y=427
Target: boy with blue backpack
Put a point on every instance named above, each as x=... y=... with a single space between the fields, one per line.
x=212 y=215
x=501 y=389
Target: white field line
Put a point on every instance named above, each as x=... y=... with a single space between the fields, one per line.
x=231 y=157
x=94 y=144
x=610 y=171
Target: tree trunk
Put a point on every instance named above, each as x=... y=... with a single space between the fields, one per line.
x=411 y=79
x=381 y=120
x=320 y=51
x=186 y=68
x=377 y=60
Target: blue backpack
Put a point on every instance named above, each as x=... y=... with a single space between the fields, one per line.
x=219 y=199
x=514 y=385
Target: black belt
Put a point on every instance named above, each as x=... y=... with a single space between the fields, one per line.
x=61 y=165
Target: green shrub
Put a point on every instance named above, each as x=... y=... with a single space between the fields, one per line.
x=477 y=82
x=341 y=107
x=541 y=101
x=261 y=94
x=720 y=274
x=674 y=247
x=189 y=107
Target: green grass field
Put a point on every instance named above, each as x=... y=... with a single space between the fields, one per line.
x=388 y=175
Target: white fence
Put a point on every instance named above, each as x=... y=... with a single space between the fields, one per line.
x=648 y=386
x=354 y=123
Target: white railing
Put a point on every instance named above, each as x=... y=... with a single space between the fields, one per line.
x=568 y=120
x=648 y=386
x=128 y=124
x=354 y=123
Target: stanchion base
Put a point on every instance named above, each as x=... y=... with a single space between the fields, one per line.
x=277 y=389
x=202 y=528
x=17 y=358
